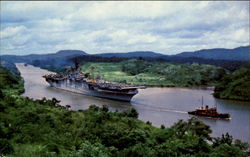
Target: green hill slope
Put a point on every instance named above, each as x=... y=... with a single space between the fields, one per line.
x=234 y=86
x=156 y=73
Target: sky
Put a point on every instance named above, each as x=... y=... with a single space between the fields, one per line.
x=165 y=27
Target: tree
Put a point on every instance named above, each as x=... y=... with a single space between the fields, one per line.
x=5 y=147
x=225 y=139
x=131 y=112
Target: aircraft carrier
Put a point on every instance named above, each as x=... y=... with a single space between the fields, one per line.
x=78 y=82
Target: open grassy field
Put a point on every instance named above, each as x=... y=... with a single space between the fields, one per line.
x=113 y=72
x=155 y=73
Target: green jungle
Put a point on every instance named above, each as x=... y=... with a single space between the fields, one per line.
x=228 y=85
x=43 y=128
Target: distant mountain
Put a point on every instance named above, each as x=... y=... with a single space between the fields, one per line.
x=230 y=59
x=134 y=54
x=239 y=54
x=62 y=53
x=54 y=60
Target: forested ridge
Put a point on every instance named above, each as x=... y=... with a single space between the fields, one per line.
x=43 y=128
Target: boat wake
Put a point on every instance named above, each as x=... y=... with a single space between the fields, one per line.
x=158 y=108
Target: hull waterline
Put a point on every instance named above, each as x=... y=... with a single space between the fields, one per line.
x=85 y=89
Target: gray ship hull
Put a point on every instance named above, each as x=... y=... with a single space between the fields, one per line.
x=86 y=89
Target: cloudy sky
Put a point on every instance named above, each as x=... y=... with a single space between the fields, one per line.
x=97 y=27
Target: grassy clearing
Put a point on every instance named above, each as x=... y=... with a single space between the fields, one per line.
x=155 y=73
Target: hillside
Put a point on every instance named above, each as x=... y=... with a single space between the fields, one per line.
x=48 y=61
x=234 y=86
x=31 y=57
x=160 y=74
x=240 y=54
x=43 y=128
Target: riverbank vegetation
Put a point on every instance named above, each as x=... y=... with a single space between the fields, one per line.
x=43 y=128
x=234 y=86
x=10 y=83
x=159 y=74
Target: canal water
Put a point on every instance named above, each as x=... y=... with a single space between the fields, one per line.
x=158 y=105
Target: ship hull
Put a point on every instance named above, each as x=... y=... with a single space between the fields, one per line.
x=222 y=116
x=86 y=89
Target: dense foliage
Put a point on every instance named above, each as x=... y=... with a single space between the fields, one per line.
x=10 y=83
x=142 y=72
x=43 y=128
x=235 y=86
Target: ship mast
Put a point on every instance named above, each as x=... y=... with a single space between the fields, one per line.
x=202 y=101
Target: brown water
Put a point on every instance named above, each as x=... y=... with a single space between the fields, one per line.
x=157 y=105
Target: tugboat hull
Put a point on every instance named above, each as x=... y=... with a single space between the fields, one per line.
x=209 y=112
x=220 y=115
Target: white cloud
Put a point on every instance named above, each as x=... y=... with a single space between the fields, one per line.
x=115 y=10
x=12 y=31
x=240 y=34
x=95 y=27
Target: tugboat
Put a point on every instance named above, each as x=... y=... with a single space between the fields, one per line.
x=209 y=112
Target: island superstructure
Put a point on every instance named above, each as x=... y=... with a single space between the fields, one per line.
x=76 y=81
